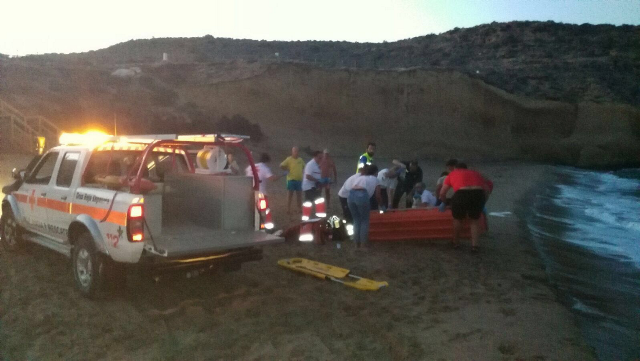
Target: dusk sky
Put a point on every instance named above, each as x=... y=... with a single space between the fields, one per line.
x=64 y=26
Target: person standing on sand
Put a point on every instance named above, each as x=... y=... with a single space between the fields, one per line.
x=310 y=182
x=451 y=164
x=343 y=195
x=329 y=175
x=367 y=157
x=264 y=173
x=471 y=191
x=295 y=166
x=361 y=189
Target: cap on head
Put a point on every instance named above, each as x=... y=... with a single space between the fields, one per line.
x=461 y=166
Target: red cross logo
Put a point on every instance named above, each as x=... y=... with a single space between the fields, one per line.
x=32 y=199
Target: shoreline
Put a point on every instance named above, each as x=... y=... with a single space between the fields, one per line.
x=441 y=303
x=582 y=275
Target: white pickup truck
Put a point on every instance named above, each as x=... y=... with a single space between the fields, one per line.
x=115 y=203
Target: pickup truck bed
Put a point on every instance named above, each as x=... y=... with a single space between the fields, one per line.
x=201 y=240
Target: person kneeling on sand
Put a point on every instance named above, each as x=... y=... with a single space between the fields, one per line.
x=471 y=191
x=361 y=189
x=422 y=198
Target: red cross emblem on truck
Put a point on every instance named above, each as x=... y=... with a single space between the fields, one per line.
x=32 y=199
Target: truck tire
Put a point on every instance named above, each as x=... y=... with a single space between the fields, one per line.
x=11 y=232
x=88 y=266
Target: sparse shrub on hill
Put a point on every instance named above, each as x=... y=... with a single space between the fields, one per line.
x=569 y=54
x=161 y=95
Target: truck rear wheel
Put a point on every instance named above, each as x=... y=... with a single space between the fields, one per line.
x=88 y=266
x=11 y=232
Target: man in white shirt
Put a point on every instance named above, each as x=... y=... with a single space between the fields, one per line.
x=312 y=175
x=312 y=194
x=422 y=198
x=388 y=179
x=264 y=172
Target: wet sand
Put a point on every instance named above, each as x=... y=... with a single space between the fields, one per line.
x=441 y=303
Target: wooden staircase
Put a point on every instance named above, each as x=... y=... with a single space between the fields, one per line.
x=19 y=133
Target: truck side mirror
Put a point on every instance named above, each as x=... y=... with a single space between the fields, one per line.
x=17 y=174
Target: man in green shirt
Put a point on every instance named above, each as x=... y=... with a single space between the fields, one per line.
x=294 y=165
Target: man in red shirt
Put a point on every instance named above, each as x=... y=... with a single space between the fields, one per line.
x=471 y=192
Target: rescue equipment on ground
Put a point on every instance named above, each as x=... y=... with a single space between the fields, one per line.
x=416 y=224
x=332 y=273
x=339 y=229
x=306 y=230
x=315 y=230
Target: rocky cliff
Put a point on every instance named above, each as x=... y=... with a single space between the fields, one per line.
x=435 y=112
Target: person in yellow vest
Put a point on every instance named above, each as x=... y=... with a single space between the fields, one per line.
x=367 y=160
x=367 y=157
x=294 y=165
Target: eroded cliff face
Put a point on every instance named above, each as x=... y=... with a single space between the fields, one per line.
x=409 y=113
x=422 y=113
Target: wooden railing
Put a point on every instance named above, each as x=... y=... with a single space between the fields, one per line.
x=19 y=133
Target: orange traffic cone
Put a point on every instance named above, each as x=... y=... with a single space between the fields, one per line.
x=306 y=232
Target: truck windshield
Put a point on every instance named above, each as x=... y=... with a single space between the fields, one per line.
x=119 y=163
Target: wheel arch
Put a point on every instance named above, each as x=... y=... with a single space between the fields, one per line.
x=10 y=202
x=85 y=223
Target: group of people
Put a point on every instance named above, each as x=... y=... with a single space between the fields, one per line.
x=373 y=189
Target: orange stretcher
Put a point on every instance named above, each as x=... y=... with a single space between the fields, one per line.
x=416 y=224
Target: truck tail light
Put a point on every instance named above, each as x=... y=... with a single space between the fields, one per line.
x=135 y=223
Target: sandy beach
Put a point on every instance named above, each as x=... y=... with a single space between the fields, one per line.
x=441 y=303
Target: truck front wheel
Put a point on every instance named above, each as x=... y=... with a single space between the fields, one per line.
x=11 y=232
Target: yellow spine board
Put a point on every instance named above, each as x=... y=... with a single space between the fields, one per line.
x=325 y=271
x=313 y=267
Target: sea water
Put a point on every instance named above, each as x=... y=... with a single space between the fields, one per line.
x=586 y=226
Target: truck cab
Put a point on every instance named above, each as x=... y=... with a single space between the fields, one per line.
x=118 y=203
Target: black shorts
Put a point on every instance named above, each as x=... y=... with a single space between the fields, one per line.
x=312 y=194
x=467 y=203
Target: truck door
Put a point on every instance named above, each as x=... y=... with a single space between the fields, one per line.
x=34 y=193
x=61 y=193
